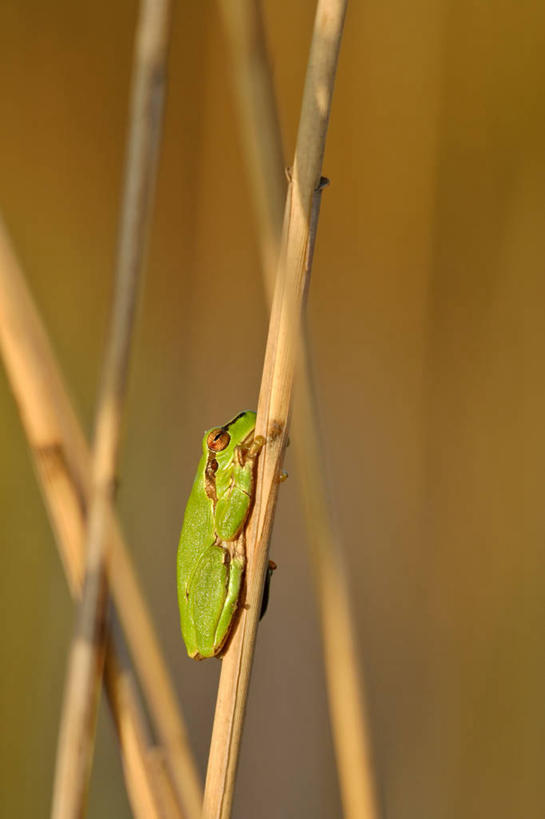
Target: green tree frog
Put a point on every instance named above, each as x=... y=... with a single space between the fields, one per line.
x=212 y=549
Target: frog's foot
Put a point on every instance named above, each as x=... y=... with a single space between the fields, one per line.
x=256 y=446
x=267 y=587
x=237 y=551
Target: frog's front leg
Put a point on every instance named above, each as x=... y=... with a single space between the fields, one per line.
x=233 y=506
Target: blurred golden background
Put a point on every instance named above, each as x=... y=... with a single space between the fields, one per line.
x=428 y=331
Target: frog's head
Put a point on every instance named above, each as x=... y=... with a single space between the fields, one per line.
x=221 y=442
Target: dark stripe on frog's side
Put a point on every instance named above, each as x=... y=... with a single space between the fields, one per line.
x=210 y=478
x=212 y=462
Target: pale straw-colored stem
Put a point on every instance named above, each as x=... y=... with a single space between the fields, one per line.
x=275 y=397
x=63 y=465
x=150 y=789
x=85 y=666
x=345 y=683
x=260 y=128
x=261 y=136
x=22 y=341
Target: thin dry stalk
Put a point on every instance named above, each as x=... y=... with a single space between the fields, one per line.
x=275 y=396
x=151 y=793
x=344 y=678
x=146 y=795
x=263 y=152
x=76 y=739
x=63 y=463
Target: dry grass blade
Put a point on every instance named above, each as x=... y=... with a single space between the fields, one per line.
x=243 y=23
x=263 y=152
x=76 y=739
x=151 y=793
x=275 y=396
x=22 y=341
x=63 y=466
x=344 y=679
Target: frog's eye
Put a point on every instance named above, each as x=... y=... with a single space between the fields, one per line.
x=218 y=440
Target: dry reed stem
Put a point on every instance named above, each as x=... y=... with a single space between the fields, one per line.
x=23 y=342
x=345 y=681
x=78 y=718
x=85 y=666
x=263 y=153
x=275 y=396
x=63 y=464
x=151 y=792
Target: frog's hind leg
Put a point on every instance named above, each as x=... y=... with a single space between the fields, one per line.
x=209 y=590
x=237 y=556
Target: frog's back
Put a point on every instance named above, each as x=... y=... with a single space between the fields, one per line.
x=197 y=533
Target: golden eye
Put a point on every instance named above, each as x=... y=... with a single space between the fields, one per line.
x=218 y=440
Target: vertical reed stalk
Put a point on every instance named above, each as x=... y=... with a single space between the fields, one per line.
x=275 y=396
x=260 y=132
x=26 y=353
x=63 y=465
x=76 y=738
